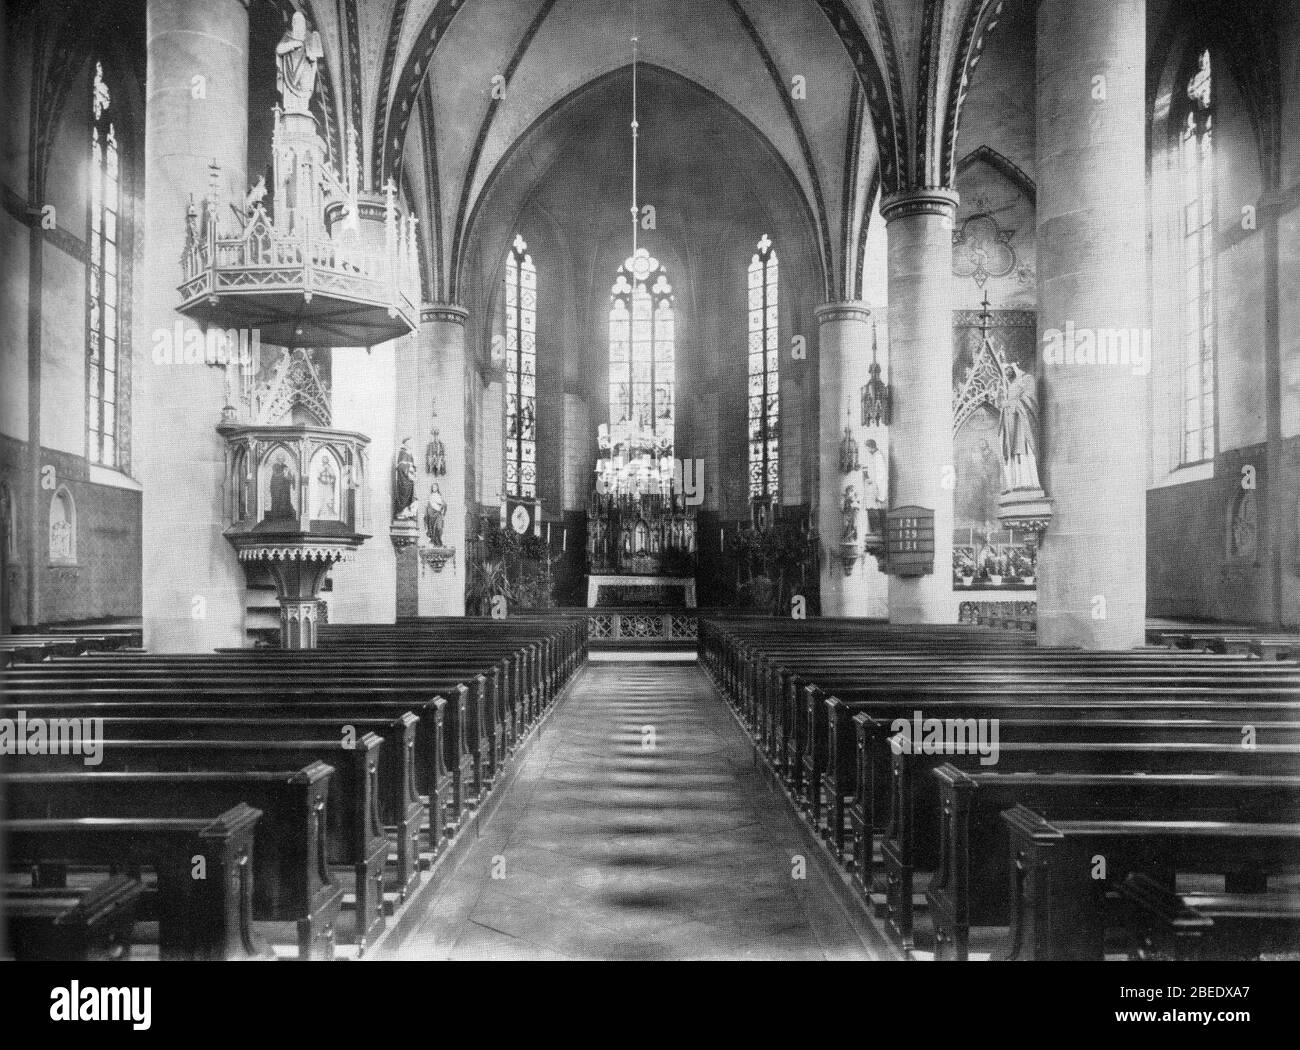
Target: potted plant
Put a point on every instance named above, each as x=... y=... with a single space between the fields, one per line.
x=993 y=566
x=963 y=566
x=1024 y=566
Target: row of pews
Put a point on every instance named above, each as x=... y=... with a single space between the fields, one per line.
x=260 y=803
x=34 y=646
x=994 y=799
x=1225 y=638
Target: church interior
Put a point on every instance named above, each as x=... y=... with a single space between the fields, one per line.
x=650 y=479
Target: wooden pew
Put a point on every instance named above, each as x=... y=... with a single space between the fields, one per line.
x=970 y=886
x=864 y=762
x=60 y=925
x=443 y=765
x=355 y=836
x=841 y=772
x=292 y=882
x=399 y=805
x=1196 y=926
x=198 y=918
x=1058 y=908
x=291 y=682
x=911 y=840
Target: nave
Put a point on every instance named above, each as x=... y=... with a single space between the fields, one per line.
x=615 y=844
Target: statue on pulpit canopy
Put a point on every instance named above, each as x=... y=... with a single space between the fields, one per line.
x=296 y=56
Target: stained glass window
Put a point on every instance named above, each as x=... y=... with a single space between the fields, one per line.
x=764 y=374
x=642 y=365
x=1196 y=156
x=521 y=371
x=104 y=284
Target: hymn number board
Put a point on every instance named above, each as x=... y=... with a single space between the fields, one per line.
x=909 y=541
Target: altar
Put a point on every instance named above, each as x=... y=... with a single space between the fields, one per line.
x=662 y=583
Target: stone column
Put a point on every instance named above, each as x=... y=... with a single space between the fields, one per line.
x=196 y=112
x=921 y=298
x=1092 y=287
x=440 y=393
x=844 y=353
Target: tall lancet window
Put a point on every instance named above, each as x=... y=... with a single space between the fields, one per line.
x=764 y=374
x=1196 y=162
x=642 y=369
x=521 y=371
x=103 y=279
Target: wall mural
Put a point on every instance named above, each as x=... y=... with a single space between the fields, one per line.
x=987 y=556
x=982 y=249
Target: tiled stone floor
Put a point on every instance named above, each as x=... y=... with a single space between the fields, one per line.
x=606 y=849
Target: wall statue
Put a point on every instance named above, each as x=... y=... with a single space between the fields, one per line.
x=1019 y=430
x=435 y=514
x=404 y=483
x=435 y=456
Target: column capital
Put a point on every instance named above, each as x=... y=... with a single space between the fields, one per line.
x=849 y=310
x=925 y=200
x=443 y=312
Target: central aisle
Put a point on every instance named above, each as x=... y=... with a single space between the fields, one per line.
x=638 y=828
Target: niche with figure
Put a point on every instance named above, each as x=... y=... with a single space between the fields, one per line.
x=326 y=486
x=63 y=528
x=278 y=483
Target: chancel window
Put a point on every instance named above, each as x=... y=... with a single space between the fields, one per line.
x=642 y=370
x=1196 y=170
x=764 y=374
x=104 y=283
x=521 y=371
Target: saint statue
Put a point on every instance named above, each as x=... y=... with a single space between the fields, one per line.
x=849 y=509
x=296 y=56
x=876 y=470
x=435 y=456
x=327 y=505
x=404 y=483
x=435 y=513
x=281 y=492
x=1019 y=430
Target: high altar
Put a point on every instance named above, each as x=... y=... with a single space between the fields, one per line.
x=641 y=532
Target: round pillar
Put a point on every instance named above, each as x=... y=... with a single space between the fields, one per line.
x=432 y=365
x=921 y=297
x=851 y=581
x=1092 y=303
x=196 y=112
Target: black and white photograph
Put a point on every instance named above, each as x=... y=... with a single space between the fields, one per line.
x=642 y=481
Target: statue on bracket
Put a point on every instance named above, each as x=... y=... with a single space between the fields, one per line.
x=435 y=456
x=296 y=56
x=1019 y=430
x=849 y=508
x=404 y=483
x=435 y=514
